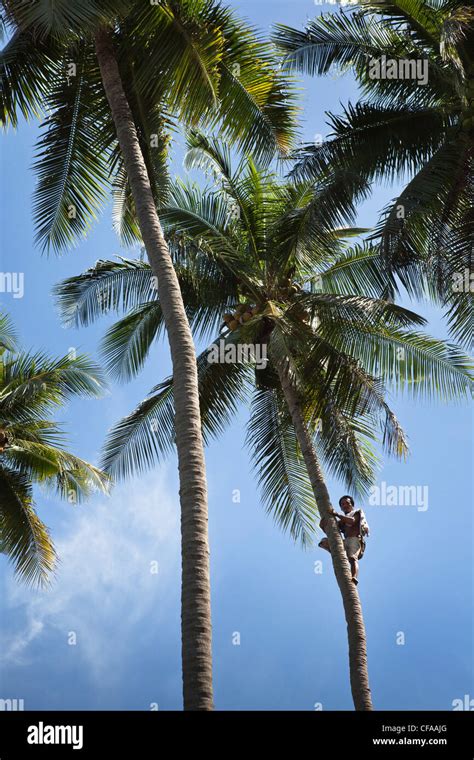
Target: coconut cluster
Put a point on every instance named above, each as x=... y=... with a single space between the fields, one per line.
x=242 y=314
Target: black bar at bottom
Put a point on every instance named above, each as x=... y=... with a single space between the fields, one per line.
x=153 y=734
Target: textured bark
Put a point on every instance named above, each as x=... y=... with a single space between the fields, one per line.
x=195 y=594
x=359 y=675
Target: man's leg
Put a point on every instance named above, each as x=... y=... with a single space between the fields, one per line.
x=352 y=547
x=354 y=569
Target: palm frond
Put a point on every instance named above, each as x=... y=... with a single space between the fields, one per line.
x=23 y=537
x=280 y=468
x=357 y=271
x=410 y=361
x=117 y=285
x=142 y=438
x=71 y=477
x=7 y=334
x=61 y=18
x=127 y=343
x=71 y=159
x=34 y=383
x=333 y=39
x=26 y=65
x=380 y=142
x=217 y=65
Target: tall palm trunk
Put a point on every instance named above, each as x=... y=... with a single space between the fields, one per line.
x=195 y=595
x=352 y=608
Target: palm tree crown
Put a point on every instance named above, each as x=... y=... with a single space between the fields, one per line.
x=31 y=449
x=258 y=264
x=404 y=127
x=192 y=62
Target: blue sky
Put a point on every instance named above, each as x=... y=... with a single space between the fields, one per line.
x=416 y=576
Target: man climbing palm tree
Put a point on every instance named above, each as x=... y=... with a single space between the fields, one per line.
x=354 y=527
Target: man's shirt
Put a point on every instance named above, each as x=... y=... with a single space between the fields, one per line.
x=363 y=524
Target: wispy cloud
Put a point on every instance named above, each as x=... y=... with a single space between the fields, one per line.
x=106 y=583
x=18 y=645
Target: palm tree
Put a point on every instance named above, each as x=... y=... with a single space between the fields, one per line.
x=115 y=78
x=261 y=255
x=31 y=386
x=400 y=128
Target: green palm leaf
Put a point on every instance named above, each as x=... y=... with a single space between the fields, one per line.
x=31 y=451
x=127 y=343
x=60 y=18
x=41 y=382
x=7 y=334
x=23 y=537
x=147 y=434
x=108 y=286
x=26 y=66
x=279 y=466
x=71 y=162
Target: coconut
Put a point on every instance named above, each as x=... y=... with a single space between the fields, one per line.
x=234 y=325
x=228 y=317
x=246 y=317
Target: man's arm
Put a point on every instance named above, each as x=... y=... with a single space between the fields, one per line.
x=339 y=520
x=345 y=519
x=364 y=527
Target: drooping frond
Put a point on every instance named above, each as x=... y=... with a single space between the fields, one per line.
x=26 y=65
x=147 y=434
x=23 y=537
x=218 y=71
x=409 y=360
x=379 y=142
x=108 y=286
x=127 y=343
x=280 y=468
x=71 y=159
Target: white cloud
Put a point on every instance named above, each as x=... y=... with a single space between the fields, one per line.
x=104 y=585
x=17 y=646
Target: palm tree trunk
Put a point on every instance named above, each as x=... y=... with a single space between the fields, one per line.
x=352 y=608
x=195 y=595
